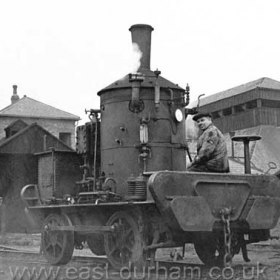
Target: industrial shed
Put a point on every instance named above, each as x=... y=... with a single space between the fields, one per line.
x=248 y=105
x=18 y=167
x=249 y=109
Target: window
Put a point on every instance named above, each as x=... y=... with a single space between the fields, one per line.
x=251 y=104
x=65 y=137
x=216 y=115
x=270 y=103
x=239 y=108
x=227 y=111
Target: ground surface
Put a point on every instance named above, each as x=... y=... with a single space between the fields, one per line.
x=265 y=264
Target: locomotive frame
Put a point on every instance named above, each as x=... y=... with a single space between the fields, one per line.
x=134 y=195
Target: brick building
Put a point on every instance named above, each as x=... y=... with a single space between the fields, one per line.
x=59 y=123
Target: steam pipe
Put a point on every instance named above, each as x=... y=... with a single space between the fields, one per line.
x=157 y=90
x=135 y=94
x=93 y=116
x=53 y=171
x=187 y=95
x=198 y=100
x=135 y=80
x=157 y=95
x=171 y=95
x=95 y=150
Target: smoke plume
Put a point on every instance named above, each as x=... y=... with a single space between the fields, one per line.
x=136 y=55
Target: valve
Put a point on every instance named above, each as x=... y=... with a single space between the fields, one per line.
x=93 y=114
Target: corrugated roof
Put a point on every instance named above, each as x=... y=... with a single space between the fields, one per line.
x=260 y=83
x=28 y=107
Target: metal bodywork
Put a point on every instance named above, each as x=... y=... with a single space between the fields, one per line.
x=121 y=141
x=193 y=201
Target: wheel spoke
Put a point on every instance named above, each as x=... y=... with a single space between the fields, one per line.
x=112 y=250
x=58 y=246
x=46 y=239
x=58 y=249
x=121 y=247
x=127 y=234
x=47 y=246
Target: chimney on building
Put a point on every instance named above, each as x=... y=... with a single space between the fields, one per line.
x=15 y=96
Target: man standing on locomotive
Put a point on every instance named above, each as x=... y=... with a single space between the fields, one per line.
x=211 y=147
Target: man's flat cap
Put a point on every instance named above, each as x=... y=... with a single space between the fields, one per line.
x=201 y=115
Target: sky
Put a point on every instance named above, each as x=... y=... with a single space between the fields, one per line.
x=62 y=52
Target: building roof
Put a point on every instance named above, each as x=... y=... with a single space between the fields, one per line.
x=17 y=122
x=266 y=83
x=28 y=107
x=31 y=139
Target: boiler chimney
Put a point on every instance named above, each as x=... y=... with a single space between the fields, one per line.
x=141 y=35
x=14 y=97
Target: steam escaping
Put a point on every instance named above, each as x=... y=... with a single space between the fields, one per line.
x=135 y=59
x=131 y=62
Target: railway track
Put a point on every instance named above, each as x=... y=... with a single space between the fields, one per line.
x=21 y=261
x=30 y=255
x=15 y=259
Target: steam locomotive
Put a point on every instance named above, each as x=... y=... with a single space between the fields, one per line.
x=134 y=194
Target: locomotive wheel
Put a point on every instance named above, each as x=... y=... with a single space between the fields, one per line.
x=57 y=246
x=95 y=243
x=208 y=249
x=124 y=246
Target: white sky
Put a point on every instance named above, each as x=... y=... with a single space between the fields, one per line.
x=62 y=52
